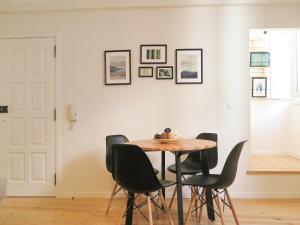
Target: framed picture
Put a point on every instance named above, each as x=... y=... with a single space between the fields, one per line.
x=259 y=59
x=145 y=71
x=259 y=87
x=164 y=72
x=189 y=66
x=153 y=54
x=117 y=67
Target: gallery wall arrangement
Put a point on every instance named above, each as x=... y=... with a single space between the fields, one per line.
x=188 y=64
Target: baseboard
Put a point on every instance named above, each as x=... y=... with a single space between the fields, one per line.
x=295 y=154
x=237 y=195
x=265 y=195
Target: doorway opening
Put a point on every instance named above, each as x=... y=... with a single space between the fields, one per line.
x=275 y=104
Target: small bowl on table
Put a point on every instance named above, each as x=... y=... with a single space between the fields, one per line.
x=167 y=141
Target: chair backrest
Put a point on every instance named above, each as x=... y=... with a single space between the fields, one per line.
x=212 y=153
x=132 y=169
x=110 y=141
x=230 y=167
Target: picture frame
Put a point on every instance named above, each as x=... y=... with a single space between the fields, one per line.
x=259 y=59
x=153 y=54
x=189 y=66
x=164 y=72
x=117 y=64
x=145 y=71
x=259 y=87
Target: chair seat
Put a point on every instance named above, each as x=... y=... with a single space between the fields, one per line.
x=156 y=171
x=167 y=183
x=187 y=168
x=203 y=180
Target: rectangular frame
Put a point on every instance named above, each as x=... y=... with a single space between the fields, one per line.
x=195 y=54
x=153 y=54
x=164 y=67
x=150 y=74
x=119 y=67
x=263 y=56
x=262 y=92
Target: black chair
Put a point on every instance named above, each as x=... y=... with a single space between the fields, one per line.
x=218 y=183
x=133 y=171
x=110 y=141
x=192 y=165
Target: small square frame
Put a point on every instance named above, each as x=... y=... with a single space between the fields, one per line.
x=145 y=71
x=164 y=68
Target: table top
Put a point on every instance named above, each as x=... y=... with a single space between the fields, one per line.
x=183 y=145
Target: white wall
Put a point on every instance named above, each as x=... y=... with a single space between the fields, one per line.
x=149 y=105
x=295 y=129
x=271 y=125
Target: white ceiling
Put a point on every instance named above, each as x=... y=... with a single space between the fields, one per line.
x=46 y=5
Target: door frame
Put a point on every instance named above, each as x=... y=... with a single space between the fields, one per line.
x=58 y=97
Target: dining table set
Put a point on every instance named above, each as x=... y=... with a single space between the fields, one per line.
x=202 y=152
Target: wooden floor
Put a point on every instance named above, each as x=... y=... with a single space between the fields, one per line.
x=52 y=211
x=275 y=164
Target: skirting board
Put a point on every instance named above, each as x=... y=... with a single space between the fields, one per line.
x=273 y=195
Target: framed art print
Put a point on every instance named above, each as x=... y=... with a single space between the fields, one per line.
x=259 y=87
x=259 y=59
x=145 y=71
x=189 y=66
x=164 y=72
x=153 y=54
x=117 y=67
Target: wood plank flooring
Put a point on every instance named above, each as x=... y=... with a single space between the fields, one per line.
x=52 y=211
x=274 y=164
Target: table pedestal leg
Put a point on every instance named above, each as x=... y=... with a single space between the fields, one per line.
x=179 y=188
x=163 y=161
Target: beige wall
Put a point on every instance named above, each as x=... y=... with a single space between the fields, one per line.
x=149 y=105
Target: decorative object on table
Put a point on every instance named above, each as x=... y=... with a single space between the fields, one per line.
x=259 y=59
x=117 y=67
x=145 y=71
x=164 y=72
x=153 y=54
x=259 y=87
x=189 y=66
x=167 y=136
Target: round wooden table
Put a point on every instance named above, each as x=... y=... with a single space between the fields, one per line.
x=180 y=147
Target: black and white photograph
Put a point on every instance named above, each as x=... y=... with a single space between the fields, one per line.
x=259 y=87
x=164 y=72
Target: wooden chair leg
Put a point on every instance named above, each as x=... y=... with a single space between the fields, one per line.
x=137 y=215
x=166 y=208
x=173 y=197
x=232 y=207
x=187 y=218
x=122 y=212
x=111 y=198
x=155 y=208
x=220 y=209
x=149 y=210
x=201 y=204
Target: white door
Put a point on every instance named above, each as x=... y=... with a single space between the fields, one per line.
x=27 y=131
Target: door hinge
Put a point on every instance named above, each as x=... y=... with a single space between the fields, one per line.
x=55 y=179
x=54 y=114
x=54 y=51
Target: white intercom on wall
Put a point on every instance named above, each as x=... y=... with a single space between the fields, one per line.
x=73 y=114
